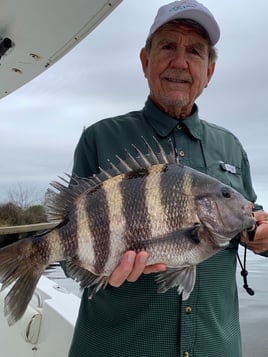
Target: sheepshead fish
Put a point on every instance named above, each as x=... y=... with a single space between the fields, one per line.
x=178 y=215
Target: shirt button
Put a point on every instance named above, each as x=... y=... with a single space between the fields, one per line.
x=188 y=309
x=181 y=153
x=186 y=354
x=179 y=127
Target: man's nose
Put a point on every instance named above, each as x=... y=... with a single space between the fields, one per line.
x=179 y=59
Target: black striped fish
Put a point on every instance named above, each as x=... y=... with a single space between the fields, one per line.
x=178 y=215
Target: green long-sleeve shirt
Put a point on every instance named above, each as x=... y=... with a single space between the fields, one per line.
x=134 y=320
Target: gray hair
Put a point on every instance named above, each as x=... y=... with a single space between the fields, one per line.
x=212 y=54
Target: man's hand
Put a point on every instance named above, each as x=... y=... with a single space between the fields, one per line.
x=132 y=266
x=260 y=243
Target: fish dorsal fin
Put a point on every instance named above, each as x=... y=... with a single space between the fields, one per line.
x=59 y=202
x=159 y=156
x=69 y=188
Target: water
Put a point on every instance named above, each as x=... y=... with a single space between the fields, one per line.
x=253 y=309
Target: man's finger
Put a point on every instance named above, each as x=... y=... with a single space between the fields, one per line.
x=121 y=273
x=155 y=268
x=139 y=266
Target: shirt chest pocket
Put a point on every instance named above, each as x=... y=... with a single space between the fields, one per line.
x=228 y=173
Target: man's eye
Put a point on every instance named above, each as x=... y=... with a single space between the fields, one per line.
x=169 y=46
x=194 y=51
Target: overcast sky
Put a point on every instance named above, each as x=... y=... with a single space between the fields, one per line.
x=42 y=122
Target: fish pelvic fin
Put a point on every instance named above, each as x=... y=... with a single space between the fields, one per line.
x=18 y=266
x=183 y=277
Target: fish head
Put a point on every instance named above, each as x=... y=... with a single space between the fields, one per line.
x=222 y=211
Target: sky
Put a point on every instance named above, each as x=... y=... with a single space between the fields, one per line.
x=40 y=123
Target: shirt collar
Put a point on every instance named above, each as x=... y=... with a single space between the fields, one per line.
x=164 y=124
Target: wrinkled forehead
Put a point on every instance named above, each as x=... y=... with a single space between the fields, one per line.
x=180 y=35
x=186 y=28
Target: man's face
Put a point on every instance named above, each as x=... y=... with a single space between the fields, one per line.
x=177 y=68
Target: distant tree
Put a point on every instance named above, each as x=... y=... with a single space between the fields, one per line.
x=13 y=215
x=35 y=214
x=10 y=214
x=23 y=196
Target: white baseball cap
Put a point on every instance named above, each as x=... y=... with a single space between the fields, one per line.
x=187 y=9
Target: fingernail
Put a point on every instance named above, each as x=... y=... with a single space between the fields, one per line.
x=130 y=258
x=143 y=259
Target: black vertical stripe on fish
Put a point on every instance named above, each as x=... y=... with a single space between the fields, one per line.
x=99 y=226
x=68 y=237
x=176 y=197
x=134 y=206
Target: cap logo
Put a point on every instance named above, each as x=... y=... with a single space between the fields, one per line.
x=182 y=7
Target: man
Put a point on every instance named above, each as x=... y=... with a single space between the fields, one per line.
x=131 y=319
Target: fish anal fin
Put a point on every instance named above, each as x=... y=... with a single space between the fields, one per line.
x=85 y=277
x=183 y=277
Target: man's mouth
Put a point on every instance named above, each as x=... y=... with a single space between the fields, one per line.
x=175 y=80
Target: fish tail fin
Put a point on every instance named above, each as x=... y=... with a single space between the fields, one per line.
x=19 y=264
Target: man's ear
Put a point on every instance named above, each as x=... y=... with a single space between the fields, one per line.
x=144 y=61
x=210 y=71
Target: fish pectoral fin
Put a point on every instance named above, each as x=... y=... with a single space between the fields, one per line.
x=183 y=277
x=85 y=277
x=190 y=233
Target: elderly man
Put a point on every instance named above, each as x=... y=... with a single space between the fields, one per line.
x=129 y=318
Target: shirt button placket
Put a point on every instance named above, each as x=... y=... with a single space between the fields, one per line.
x=188 y=310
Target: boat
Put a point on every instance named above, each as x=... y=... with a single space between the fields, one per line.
x=46 y=328
x=35 y=34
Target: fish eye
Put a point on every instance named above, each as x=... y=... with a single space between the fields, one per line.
x=226 y=192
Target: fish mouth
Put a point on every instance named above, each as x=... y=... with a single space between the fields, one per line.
x=249 y=233
x=253 y=227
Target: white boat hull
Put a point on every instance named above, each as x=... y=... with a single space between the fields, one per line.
x=42 y=32
x=46 y=328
